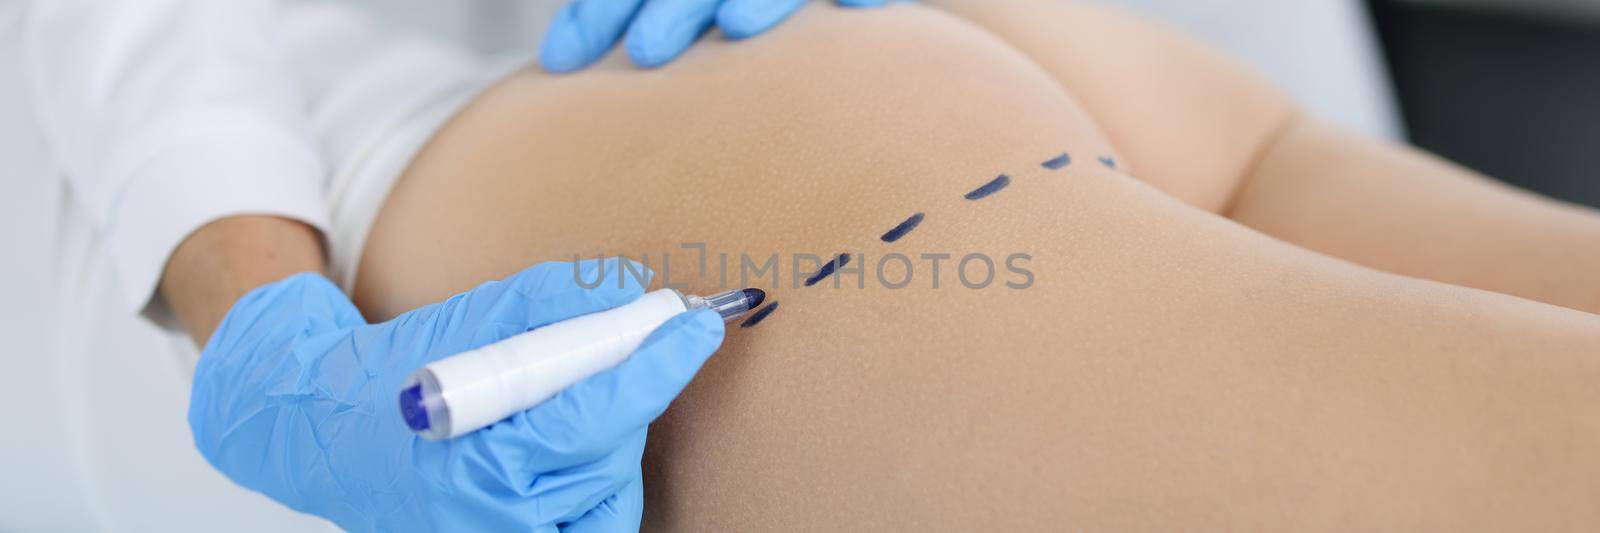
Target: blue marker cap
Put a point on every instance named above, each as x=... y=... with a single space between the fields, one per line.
x=412 y=410
x=423 y=408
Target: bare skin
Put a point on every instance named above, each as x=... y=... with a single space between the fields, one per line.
x=225 y=259
x=1218 y=137
x=1168 y=369
x=1421 y=216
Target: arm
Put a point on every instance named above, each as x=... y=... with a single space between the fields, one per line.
x=173 y=115
x=167 y=115
x=225 y=259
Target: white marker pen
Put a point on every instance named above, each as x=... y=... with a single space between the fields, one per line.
x=471 y=390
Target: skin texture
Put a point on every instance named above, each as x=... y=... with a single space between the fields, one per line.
x=227 y=258
x=1190 y=121
x=1218 y=137
x=1421 y=216
x=1167 y=369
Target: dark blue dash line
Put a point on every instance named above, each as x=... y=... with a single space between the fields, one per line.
x=827 y=270
x=1059 y=162
x=904 y=228
x=989 y=188
x=1109 y=162
x=760 y=314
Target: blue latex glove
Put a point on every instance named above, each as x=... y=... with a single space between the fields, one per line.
x=658 y=30
x=295 y=397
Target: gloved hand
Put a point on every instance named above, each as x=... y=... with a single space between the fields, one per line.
x=658 y=30
x=295 y=397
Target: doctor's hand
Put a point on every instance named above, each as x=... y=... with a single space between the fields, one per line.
x=657 y=30
x=295 y=397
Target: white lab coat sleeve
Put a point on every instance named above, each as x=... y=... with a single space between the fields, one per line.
x=166 y=115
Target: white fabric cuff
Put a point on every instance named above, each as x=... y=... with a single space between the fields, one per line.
x=208 y=176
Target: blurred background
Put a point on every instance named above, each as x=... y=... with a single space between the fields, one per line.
x=1508 y=87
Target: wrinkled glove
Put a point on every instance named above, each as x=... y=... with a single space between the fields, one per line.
x=658 y=30
x=295 y=397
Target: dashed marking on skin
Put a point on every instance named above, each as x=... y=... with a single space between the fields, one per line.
x=987 y=189
x=827 y=270
x=902 y=229
x=760 y=314
x=1058 y=163
x=1109 y=162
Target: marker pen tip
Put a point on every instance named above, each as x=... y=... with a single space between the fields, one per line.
x=755 y=297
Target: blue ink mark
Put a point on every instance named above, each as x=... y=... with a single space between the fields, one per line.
x=827 y=270
x=1109 y=162
x=989 y=188
x=904 y=228
x=760 y=314
x=1058 y=162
